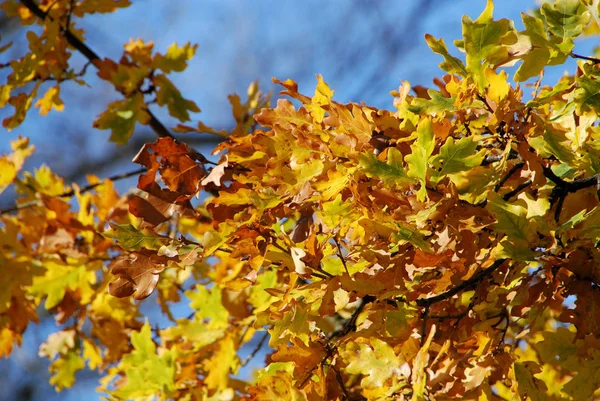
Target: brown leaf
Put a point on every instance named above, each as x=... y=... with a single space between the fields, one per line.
x=176 y=163
x=153 y=209
x=138 y=273
x=56 y=239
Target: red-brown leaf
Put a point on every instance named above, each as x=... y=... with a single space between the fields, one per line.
x=138 y=274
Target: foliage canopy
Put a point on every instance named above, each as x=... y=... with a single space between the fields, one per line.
x=432 y=252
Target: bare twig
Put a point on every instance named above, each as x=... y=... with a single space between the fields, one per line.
x=490 y=159
x=424 y=316
x=485 y=102
x=340 y=380
x=349 y=326
x=256 y=349
x=592 y=59
x=340 y=255
x=517 y=189
x=71 y=192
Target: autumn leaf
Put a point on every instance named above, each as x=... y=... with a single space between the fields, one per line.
x=418 y=160
x=169 y=95
x=137 y=274
x=376 y=361
x=456 y=156
x=50 y=100
x=342 y=251
x=121 y=118
x=147 y=372
x=175 y=59
x=485 y=42
x=131 y=238
x=390 y=172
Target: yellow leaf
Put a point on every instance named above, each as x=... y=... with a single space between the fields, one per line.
x=498 y=88
x=419 y=377
x=50 y=100
x=221 y=364
x=322 y=97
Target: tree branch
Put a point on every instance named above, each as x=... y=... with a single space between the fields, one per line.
x=517 y=189
x=465 y=285
x=349 y=325
x=592 y=59
x=508 y=175
x=71 y=192
x=256 y=349
x=156 y=125
x=563 y=188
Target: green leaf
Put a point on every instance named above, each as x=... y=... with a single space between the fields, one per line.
x=64 y=368
x=538 y=54
x=376 y=361
x=451 y=64
x=209 y=305
x=533 y=63
x=587 y=379
x=195 y=331
x=437 y=104
x=259 y=298
x=148 y=374
x=554 y=143
x=587 y=95
x=58 y=278
x=176 y=58
x=530 y=387
x=411 y=235
x=455 y=157
x=485 y=41
x=335 y=212
x=417 y=161
x=294 y=323
x=169 y=95
x=511 y=220
x=391 y=172
x=130 y=238
x=556 y=346
x=590 y=228
x=121 y=117
x=565 y=19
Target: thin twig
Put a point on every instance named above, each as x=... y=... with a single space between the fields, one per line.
x=349 y=326
x=563 y=188
x=340 y=380
x=341 y=256
x=490 y=159
x=71 y=192
x=465 y=285
x=592 y=59
x=517 y=189
x=424 y=316
x=485 y=102
x=503 y=180
x=256 y=349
